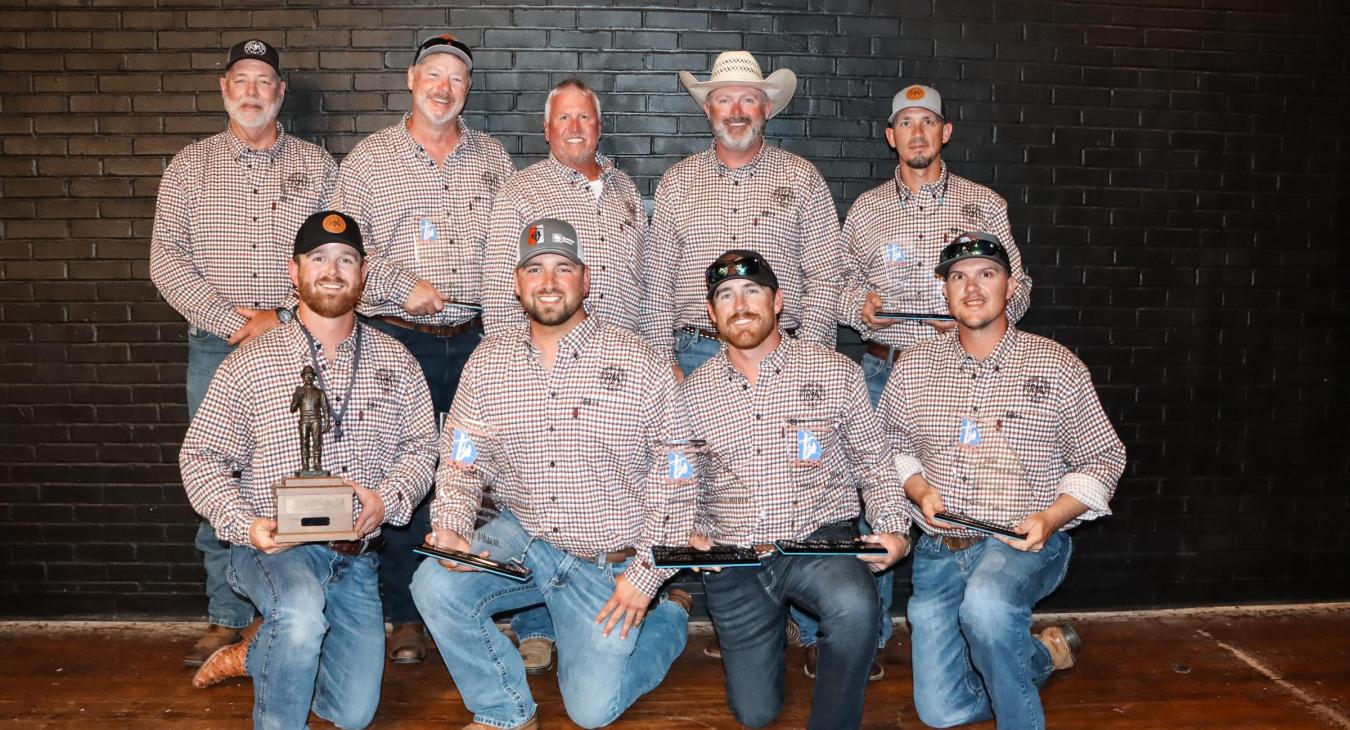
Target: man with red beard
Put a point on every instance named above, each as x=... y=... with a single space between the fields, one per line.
x=321 y=643
x=1002 y=426
x=422 y=190
x=227 y=210
x=792 y=441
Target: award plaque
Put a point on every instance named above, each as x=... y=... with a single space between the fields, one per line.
x=313 y=505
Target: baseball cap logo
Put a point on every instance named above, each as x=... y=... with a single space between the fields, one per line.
x=255 y=48
x=334 y=223
x=914 y=93
x=534 y=235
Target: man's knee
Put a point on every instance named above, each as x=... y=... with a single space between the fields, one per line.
x=940 y=712
x=754 y=714
x=353 y=717
x=987 y=614
x=437 y=593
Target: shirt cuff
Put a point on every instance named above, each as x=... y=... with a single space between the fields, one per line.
x=906 y=467
x=396 y=510
x=644 y=576
x=1089 y=491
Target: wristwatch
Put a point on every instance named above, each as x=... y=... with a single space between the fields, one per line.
x=284 y=315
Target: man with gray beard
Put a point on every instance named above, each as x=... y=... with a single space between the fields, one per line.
x=742 y=193
x=225 y=220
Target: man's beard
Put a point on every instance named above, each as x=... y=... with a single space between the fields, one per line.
x=732 y=142
x=550 y=318
x=330 y=304
x=920 y=162
x=429 y=107
x=749 y=335
x=574 y=161
x=253 y=118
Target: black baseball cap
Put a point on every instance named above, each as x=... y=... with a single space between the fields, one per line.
x=328 y=226
x=973 y=245
x=257 y=50
x=444 y=43
x=739 y=263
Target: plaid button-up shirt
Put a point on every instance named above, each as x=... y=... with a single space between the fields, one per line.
x=1003 y=437
x=245 y=425
x=577 y=453
x=612 y=230
x=225 y=223
x=420 y=220
x=789 y=453
x=893 y=237
x=778 y=205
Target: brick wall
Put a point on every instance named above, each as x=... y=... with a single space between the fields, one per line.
x=1176 y=173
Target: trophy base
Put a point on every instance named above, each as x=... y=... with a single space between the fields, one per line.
x=314 y=509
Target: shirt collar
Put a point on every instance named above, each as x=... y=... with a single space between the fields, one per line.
x=772 y=364
x=240 y=149
x=606 y=169
x=744 y=171
x=295 y=332
x=996 y=358
x=573 y=344
x=467 y=140
x=935 y=188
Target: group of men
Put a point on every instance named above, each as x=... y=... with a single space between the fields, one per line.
x=605 y=385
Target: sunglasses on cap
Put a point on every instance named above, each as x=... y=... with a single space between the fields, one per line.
x=744 y=266
x=442 y=40
x=973 y=245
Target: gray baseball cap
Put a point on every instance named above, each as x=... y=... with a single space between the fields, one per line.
x=550 y=235
x=923 y=97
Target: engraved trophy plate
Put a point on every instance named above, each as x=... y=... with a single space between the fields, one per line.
x=313 y=505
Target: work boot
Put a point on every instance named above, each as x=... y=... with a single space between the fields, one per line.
x=874 y=672
x=537 y=653
x=682 y=599
x=225 y=662
x=530 y=724
x=212 y=640
x=1064 y=645
x=407 y=643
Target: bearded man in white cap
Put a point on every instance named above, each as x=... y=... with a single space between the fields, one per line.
x=741 y=193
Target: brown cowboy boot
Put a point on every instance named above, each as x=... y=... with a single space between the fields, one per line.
x=228 y=661
x=1064 y=645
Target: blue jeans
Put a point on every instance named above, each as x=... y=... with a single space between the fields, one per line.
x=223 y=606
x=693 y=350
x=599 y=676
x=973 y=653
x=321 y=644
x=442 y=360
x=875 y=373
x=885 y=594
x=749 y=608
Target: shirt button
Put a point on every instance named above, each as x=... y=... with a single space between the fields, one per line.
x=602 y=267
x=255 y=191
x=255 y=220
x=759 y=416
x=602 y=296
x=255 y=274
x=553 y=394
x=602 y=239
x=552 y=463
x=759 y=452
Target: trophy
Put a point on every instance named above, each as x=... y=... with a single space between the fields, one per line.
x=313 y=505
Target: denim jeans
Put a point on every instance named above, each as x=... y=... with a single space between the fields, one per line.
x=876 y=372
x=749 y=608
x=321 y=644
x=885 y=593
x=599 y=676
x=442 y=360
x=223 y=606
x=973 y=653
x=692 y=350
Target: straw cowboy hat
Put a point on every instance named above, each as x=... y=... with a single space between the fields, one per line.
x=739 y=68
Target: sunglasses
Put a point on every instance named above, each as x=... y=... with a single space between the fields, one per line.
x=442 y=40
x=739 y=267
x=970 y=246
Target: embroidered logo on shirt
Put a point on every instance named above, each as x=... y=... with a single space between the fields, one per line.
x=388 y=380
x=969 y=435
x=812 y=393
x=463 y=450
x=974 y=216
x=613 y=377
x=296 y=182
x=1036 y=388
x=492 y=180
x=678 y=466
x=784 y=197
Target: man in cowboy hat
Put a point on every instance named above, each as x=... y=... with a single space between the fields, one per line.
x=741 y=193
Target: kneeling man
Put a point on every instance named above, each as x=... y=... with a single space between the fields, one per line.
x=791 y=438
x=566 y=419
x=321 y=644
x=1002 y=426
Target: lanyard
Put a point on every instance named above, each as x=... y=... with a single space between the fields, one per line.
x=941 y=196
x=340 y=413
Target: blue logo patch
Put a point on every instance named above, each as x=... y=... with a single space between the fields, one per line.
x=894 y=253
x=428 y=230
x=462 y=448
x=808 y=446
x=677 y=466
x=970 y=433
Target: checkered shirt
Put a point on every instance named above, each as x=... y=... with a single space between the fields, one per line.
x=225 y=223
x=576 y=453
x=245 y=426
x=778 y=205
x=892 y=239
x=612 y=231
x=1033 y=393
x=421 y=221
x=789 y=453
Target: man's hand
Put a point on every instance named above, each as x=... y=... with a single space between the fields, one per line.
x=896 y=547
x=923 y=494
x=372 y=509
x=703 y=543
x=1040 y=526
x=424 y=299
x=941 y=325
x=259 y=321
x=262 y=534
x=869 y=312
x=679 y=372
x=627 y=603
x=451 y=540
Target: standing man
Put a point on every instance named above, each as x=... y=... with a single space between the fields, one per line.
x=750 y=193
x=579 y=185
x=792 y=440
x=571 y=421
x=321 y=643
x=1003 y=426
x=422 y=192
x=895 y=231
x=227 y=211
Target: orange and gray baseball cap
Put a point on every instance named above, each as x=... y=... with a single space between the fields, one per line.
x=444 y=43
x=550 y=235
x=328 y=226
x=917 y=95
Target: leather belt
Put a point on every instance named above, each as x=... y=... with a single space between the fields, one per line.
x=614 y=556
x=764 y=550
x=357 y=547
x=883 y=352
x=691 y=329
x=957 y=544
x=450 y=330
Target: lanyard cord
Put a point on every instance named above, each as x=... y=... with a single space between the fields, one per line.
x=340 y=413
